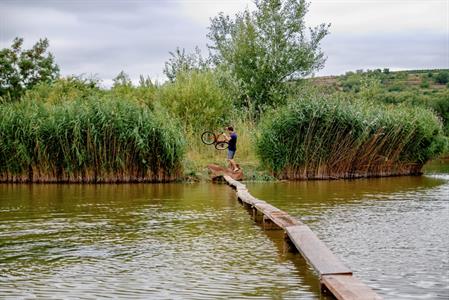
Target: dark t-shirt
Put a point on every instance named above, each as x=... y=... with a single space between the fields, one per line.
x=233 y=142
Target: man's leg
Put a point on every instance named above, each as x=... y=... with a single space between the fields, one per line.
x=234 y=165
x=229 y=163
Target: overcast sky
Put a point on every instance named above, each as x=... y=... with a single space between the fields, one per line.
x=103 y=37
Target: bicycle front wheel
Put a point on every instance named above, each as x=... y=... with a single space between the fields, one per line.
x=208 y=137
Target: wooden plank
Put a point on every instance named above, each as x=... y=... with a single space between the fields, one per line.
x=347 y=287
x=283 y=219
x=245 y=196
x=315 y=251
x=237 y=185
x=266 y=208
x=335 y=277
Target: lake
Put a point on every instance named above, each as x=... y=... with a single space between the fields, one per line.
x=194 y=241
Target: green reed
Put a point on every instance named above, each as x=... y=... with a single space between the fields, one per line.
x=88 y=140
x=323 y=136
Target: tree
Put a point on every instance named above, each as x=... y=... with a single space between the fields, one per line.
x=267 y=48
x=182 y=62
x=20 y=69
x=122 y=79
x=442 y=77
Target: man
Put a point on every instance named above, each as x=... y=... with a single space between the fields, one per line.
x=231 y=138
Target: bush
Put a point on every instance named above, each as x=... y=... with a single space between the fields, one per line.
x=63 y=89
x=442 y=77
x=425 y=84
x=87 y=140
x=197 y=100
x=323 y=137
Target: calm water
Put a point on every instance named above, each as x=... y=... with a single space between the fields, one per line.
x=194 y=241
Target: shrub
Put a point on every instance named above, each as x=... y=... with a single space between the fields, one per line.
x=323 y=137
x=196 y=99
x=442 y=77
x=425 y=84
x=63 y=89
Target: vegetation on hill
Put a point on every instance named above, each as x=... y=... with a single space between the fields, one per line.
x=424 y=88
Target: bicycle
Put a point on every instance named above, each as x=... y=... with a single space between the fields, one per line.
x=210 y=138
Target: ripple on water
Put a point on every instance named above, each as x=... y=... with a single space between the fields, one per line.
x=200 y=245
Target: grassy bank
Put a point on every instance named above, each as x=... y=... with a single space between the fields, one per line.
x=322 y=137
x=87 y=140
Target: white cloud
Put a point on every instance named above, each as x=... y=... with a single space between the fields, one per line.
x=367 y=16
x=202 y=11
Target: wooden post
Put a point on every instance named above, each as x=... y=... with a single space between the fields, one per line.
x=288 y=245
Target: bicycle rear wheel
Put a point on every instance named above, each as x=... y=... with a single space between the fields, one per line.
x=208 y=137
x=221 y=146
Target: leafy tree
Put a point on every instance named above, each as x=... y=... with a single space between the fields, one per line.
x=442 y=77
x=22 y=69
x=64 y=89
x=267 y=48
x=145 y=82
x=180 y=61
x=122 y=79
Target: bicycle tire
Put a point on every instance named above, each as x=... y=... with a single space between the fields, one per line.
x=208 y=137
x=221 y=145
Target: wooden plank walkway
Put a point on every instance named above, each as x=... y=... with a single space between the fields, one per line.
x=335 y=277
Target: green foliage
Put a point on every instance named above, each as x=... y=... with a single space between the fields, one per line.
x=63 y=89
x=441 y=106
x=23 y=69
x=89 y=140
x=196 y=99
x=442 y=77
x=182 y=62
x=122 y=79
x=266 y=48
x=425 y=84
x=351 y=82
x=399 y=88
x=123 y=88
x=321 y=136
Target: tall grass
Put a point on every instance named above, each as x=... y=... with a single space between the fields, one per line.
x=87 y=140
x=322 y=136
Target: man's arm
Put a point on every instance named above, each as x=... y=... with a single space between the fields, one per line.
x=226 y=137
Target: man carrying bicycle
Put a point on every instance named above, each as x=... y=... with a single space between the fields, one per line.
x=231 y=138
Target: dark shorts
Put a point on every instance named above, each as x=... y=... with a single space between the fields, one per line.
x=231 y=154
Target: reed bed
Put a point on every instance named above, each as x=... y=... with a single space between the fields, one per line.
x=88 y=140
x=325 y=137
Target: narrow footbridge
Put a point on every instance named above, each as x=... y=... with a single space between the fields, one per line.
x=335 y=277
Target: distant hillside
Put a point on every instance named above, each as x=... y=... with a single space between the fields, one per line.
x=429 y=88
x=394 y=81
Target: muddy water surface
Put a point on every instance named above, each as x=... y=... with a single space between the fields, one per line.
x=194 y=241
